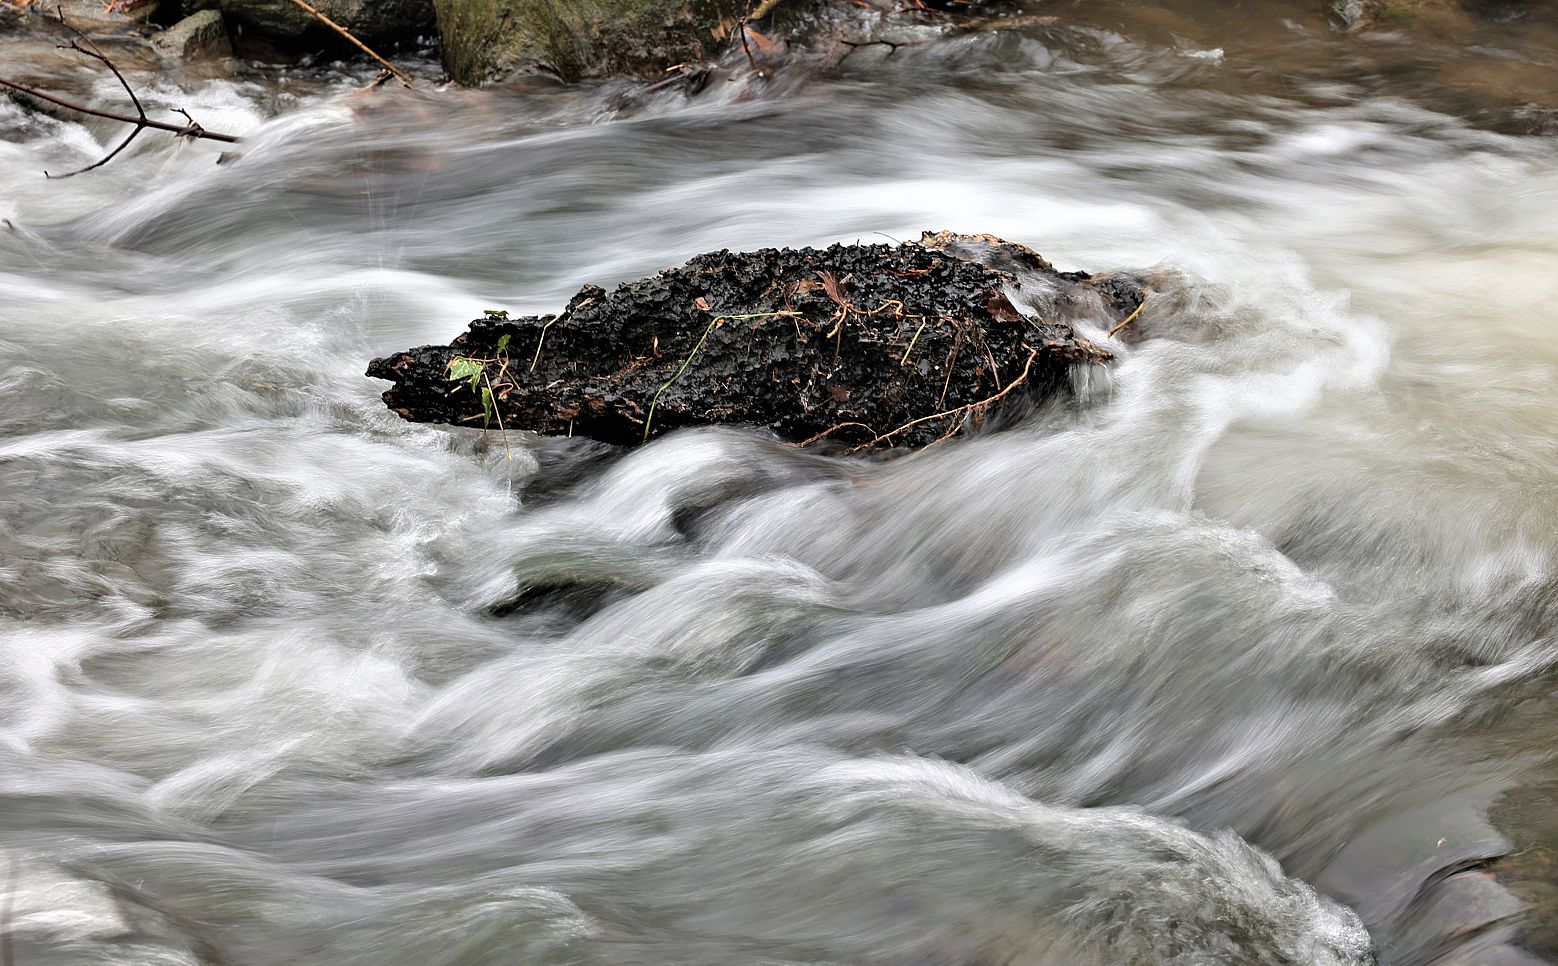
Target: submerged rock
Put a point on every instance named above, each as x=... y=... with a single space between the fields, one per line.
x=873 y=346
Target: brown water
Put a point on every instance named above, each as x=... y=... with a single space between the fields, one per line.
x=286 y=680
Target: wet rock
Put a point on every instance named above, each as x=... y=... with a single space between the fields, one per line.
x=90 y=16
x=576 y=39
x=287 y=25
x=486 y=40
x=868 y=346
x=1528 y=817
x=1350 y=13
x=1364 y=14
x=202 y=32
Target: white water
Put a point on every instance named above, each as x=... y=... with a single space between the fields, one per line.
x=286 y=680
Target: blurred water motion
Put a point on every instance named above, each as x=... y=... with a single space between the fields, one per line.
x=288 y=681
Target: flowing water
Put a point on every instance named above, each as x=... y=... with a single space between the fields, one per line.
x=286 y=680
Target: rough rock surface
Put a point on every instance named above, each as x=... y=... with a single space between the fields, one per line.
x=484 y=40
x=199 y=33
x=286 y=24
x=576 y=39
x=1365 y=14
x=871 y=346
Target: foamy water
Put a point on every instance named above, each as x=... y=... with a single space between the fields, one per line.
x=1186 y=671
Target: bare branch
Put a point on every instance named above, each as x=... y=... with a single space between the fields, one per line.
x=110 y=115
x=192 y=129
x=40 y=95
x=141 y=121
x=378 y=82
x=97 y=53
x=742 y=26
x=405 y=79
x=122 y=145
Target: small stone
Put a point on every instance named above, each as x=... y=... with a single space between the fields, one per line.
x=1351 y=14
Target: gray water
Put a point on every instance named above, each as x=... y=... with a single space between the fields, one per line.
x=1222 y=662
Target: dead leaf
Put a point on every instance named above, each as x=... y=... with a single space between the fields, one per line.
x=835 y=291
x=763 y=44
x=803 y=286
x=701 y=304
x=1001 y=307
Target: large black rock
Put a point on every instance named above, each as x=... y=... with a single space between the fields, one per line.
x=870 y=346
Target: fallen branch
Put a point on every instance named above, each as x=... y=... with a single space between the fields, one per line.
x=829 y=432
x=960 y=410
x=1128 y=319
x=190 y=129
x=747 y=48
x=405 y=79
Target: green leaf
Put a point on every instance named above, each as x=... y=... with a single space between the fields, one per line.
x=495 y=313
x=486 y=406
x=464 y=367
x=503 y=342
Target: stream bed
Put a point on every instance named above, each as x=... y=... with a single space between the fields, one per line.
x=284 y=679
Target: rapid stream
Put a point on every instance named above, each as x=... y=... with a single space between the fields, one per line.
x=1226 y=660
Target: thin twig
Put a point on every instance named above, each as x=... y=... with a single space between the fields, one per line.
x=751 y=61
x=140 y=120
x=541 y=340
x=829 y=432
x=952 y=357
x=714 y=323
x=182 y=130
x=764 y=9
x=405 y=79
x=493 y=396
x=1032 y=354
x=107 y=158
x=97 y=53
x=378 y=81
x=650 y=418
x=905 y=360
x=1128 y=319
x=194 y=129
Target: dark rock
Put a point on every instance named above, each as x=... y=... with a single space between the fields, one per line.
x=486 y=40
x=199 y=33
x=285 y=24
x=873 y=346
x=576 y=39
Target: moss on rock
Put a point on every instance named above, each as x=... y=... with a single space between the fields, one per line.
x=578 y=39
